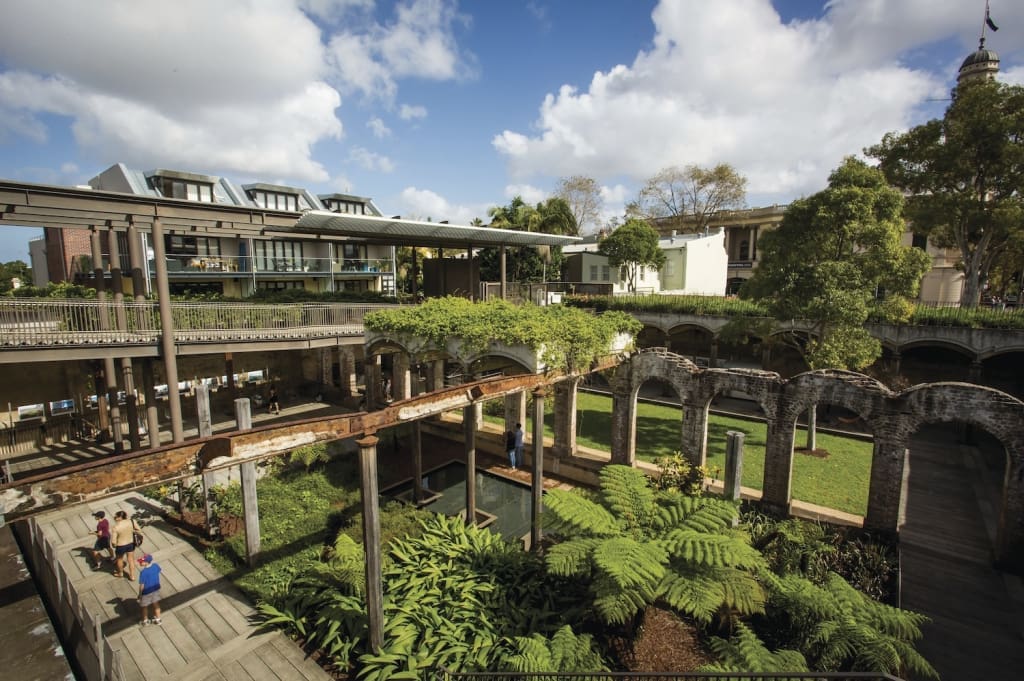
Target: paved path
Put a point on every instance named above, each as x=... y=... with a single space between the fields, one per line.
x=977 y=628
x=207 y=632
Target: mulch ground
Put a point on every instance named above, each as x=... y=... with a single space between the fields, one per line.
x=665 y=643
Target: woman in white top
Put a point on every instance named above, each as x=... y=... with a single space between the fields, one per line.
x=123 y=539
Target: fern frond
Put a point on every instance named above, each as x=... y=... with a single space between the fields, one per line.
x=631 y=563
x=570 y=557
x=615 y=605
x=570 y=514
x=627 y=492
x=745 y=652
x=696 y=595
x=715 y=550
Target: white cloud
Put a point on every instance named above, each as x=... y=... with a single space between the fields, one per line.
x=408 y=113
x=424 y=203
x=378 y=128
x=530 y=194
x=729 y=82
x=371 y=160
x=1013 y=76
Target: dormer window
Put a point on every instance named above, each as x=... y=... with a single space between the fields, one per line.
x=178 y=185
x=275 y=200
x=342 y=206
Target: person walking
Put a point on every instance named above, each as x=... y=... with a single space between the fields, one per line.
x=519 y=444
x=102 y=542
x=149 y=589
x=122 y=536
x=510 y=448
x=273 y=404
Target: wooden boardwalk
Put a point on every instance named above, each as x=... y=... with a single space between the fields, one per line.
x=977 y=628
x=208 y=632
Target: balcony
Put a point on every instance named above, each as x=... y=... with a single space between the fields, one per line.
x=223 y=265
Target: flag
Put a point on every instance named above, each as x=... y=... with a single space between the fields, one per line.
x=988 y=21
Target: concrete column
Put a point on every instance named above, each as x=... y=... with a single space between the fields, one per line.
x=152 y=412
x=415 y=275
x=438 y=371
x=888 y=476
x=371 y=540
x=205 y=430
x=469 y=437
x=326 y=364
x=469 y=275
x=401 y=385
x=371 y=377
x=99 y=382
x=417 y=462
x=167 y=348
x=537 y=472
x=502 y=276
x=778 y=468
x=565 y=417
x=347 y=370
x=812 y=427
x=515 y=410
x=733 y=464
x=766 y=357
x=250 y=504
x=975 y=371
x=127 y=378
x=623 y=428
x=109 y=372
x=713 y=356
x=695 y=433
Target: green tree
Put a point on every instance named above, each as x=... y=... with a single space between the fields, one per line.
x=583 y=196
x=631 y=246
x=692 y=192
x=835 y=259
x=528 y=263
x=965 y=177
x=12 y=269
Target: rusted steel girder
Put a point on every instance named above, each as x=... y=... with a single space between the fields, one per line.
x=114 y=475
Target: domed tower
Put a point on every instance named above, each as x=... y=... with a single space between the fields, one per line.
x=982 y=64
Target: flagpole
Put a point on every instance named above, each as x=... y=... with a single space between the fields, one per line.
x=984 y=24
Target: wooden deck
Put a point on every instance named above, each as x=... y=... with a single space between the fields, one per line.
x=977 y=628
x=207 y=633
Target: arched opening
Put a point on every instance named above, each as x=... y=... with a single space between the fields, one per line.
x=930 y=363
x=1004 y=372
x=659 y=419
x=735 y=411
x=693 y=342
x=650 y=337
x=784 y=358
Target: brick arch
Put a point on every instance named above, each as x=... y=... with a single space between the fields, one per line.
x=861 y=394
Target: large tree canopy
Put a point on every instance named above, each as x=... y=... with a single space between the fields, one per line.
x=583 y=196
x=965 y=177
x=528 y=263
x=835 y=258
x=692 y=192
x=631 y=246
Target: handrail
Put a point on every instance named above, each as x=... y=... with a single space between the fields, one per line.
x=447 y=675
x=66 y=321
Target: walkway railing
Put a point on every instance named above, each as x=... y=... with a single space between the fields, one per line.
x=55 y=321
x=446 y=675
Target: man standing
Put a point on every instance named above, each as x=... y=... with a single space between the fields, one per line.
x=519 y=445
x=149 y=589
x=102 y=539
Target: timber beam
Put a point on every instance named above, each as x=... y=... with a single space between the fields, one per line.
x=114 y=475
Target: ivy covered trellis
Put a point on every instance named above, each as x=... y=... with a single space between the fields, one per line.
x=561 y=337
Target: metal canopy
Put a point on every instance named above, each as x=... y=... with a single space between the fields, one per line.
x=37 y=205
x=415 y=232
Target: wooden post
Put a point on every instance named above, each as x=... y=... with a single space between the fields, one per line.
x=168 y=350
x=152 y=412
x=371 y=541
x=205 y=430
x=469 y=436
x=733 y=464
x=109 y=372
x=503 y=285
x=538 y=469
x=121 y=322
x=812 y=428
x=250 y=504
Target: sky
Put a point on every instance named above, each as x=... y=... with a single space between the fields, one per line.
x=441 y=109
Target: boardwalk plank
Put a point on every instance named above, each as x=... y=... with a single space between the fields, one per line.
x=145 y=658
x=255 y=666
x=163 y=647
x=183 y=640
x=204 y=637
x=214 y=621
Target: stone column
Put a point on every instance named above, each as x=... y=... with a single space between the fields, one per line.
x=733 y=464
x=371 y=540
x=109 y=372
x=401 y=387
x=812 y=427
x=117 y=284
x=537 y=471
x=778 y=466
x=167 y=347
x=371 y=378
x=325 y=366
x=565 y=417
x=623 y=428
x=515 y=409
x=713 y=356
x=469 y=438
x=347 y=370
x=205 y=416
x=152 y=411
x=417 y=462
x=695 y=433
x=438 y=374
x=888 y=474
x=250 y=503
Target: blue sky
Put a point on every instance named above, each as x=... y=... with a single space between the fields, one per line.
x=442 y=109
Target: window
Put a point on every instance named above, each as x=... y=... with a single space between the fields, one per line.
x=593 y=272
x=606 y=273
x=920 y=241
x=276 y=200
x=184 y=244
x=173 y=188
x=278 y=256
x=342 y=206
x=279 y=285
x=744 y=250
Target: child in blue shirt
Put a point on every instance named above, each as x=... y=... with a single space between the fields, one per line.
x=149 y=589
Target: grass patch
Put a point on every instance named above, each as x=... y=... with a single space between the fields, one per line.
x=839 y=481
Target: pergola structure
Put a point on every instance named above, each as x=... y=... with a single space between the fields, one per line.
x=36 y=205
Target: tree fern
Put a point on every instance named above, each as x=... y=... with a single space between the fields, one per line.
x=564 y=652
x=630 y=498
x=569 y=513
x=745 y=652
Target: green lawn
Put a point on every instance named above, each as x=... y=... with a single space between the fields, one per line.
x=839 y=481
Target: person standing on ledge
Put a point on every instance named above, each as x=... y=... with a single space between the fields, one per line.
x=273 y=404
x=519 y=445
